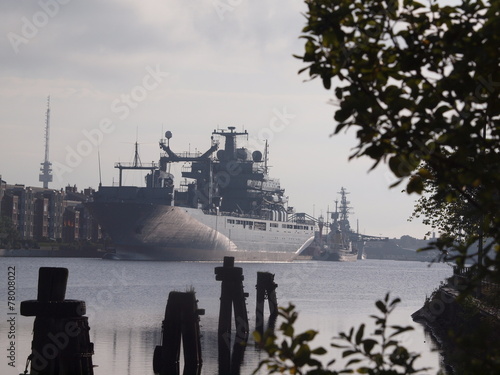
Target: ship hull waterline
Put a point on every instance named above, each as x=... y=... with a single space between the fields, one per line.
x=147 y=231
x=334 y=256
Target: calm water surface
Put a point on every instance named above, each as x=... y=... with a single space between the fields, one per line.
x=126 y=303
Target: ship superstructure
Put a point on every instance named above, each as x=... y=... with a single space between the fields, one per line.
x=226 y=203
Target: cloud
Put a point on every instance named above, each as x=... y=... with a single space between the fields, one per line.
x=108 y=42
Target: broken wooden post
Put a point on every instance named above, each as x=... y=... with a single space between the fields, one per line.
x=61 y=343
x=266 y=288
x=181 y=321
x=191 y=335
x=232 y=295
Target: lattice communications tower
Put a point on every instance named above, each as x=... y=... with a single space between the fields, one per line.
x=46 y=166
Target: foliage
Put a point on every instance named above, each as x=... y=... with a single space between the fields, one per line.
x=378 y=354
x=457 y=219
x=9 y=235
x=421 y=86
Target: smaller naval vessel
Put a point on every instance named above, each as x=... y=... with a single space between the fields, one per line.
x=340 y=244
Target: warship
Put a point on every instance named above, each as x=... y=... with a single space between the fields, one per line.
x=341 y=243
x=225 y=204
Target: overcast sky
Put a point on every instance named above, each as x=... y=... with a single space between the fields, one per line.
x=117 y=70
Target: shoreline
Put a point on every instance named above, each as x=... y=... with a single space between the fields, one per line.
x=43 y=253
x=463 y=328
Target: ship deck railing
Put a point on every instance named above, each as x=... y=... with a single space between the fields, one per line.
x=257 y=217
x=134 y=165
x=234 y=214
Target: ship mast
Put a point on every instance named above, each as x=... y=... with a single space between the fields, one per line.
x=136 y=164
x=345 y=210
x=137 y=158
x=266 y=151
x=46 y=169
x=344 y=205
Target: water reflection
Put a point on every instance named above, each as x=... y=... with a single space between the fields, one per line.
x=180 y=326
x=120 y=350
x=125 y=327
x=232 y=296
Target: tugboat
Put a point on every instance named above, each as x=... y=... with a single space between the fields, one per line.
x=341 y=244
x=226 y=205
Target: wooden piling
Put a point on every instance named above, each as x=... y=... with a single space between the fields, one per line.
x=181 y=321
x=191 y=335
x=61 y=343
x=232 y=296
x=266 y=288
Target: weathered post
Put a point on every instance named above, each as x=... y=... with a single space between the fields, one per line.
x=242 y=326
x=61 y=343
x=259 y=305
x=266 y=287
x=232 y=295
x=181 y=321
x=191 y=334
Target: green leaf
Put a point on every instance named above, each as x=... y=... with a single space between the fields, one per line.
x=339 y=93
x=327 y=82
x=347 y=353
x=342 y=114
x=359 y=335
x=352 y=362
x=381 y=306
x=288 y=331
x=375 y=151
x=395 y=301
x=302 y=355
x=368 y=345
x=310 y=47
x=415 y=185
x=400 y=330
x=319 y=351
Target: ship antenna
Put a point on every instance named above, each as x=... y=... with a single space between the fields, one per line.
x=137 y=159
x=265 y=157
x=99 y=161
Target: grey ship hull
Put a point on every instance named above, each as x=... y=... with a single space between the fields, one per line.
x=144 y=231
x=333 y=255
x=147 y=231
x=337 y=256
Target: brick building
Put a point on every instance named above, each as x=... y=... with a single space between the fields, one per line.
x=18 y=203
x=48 y=215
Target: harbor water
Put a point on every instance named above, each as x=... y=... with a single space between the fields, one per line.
x=126 y=304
